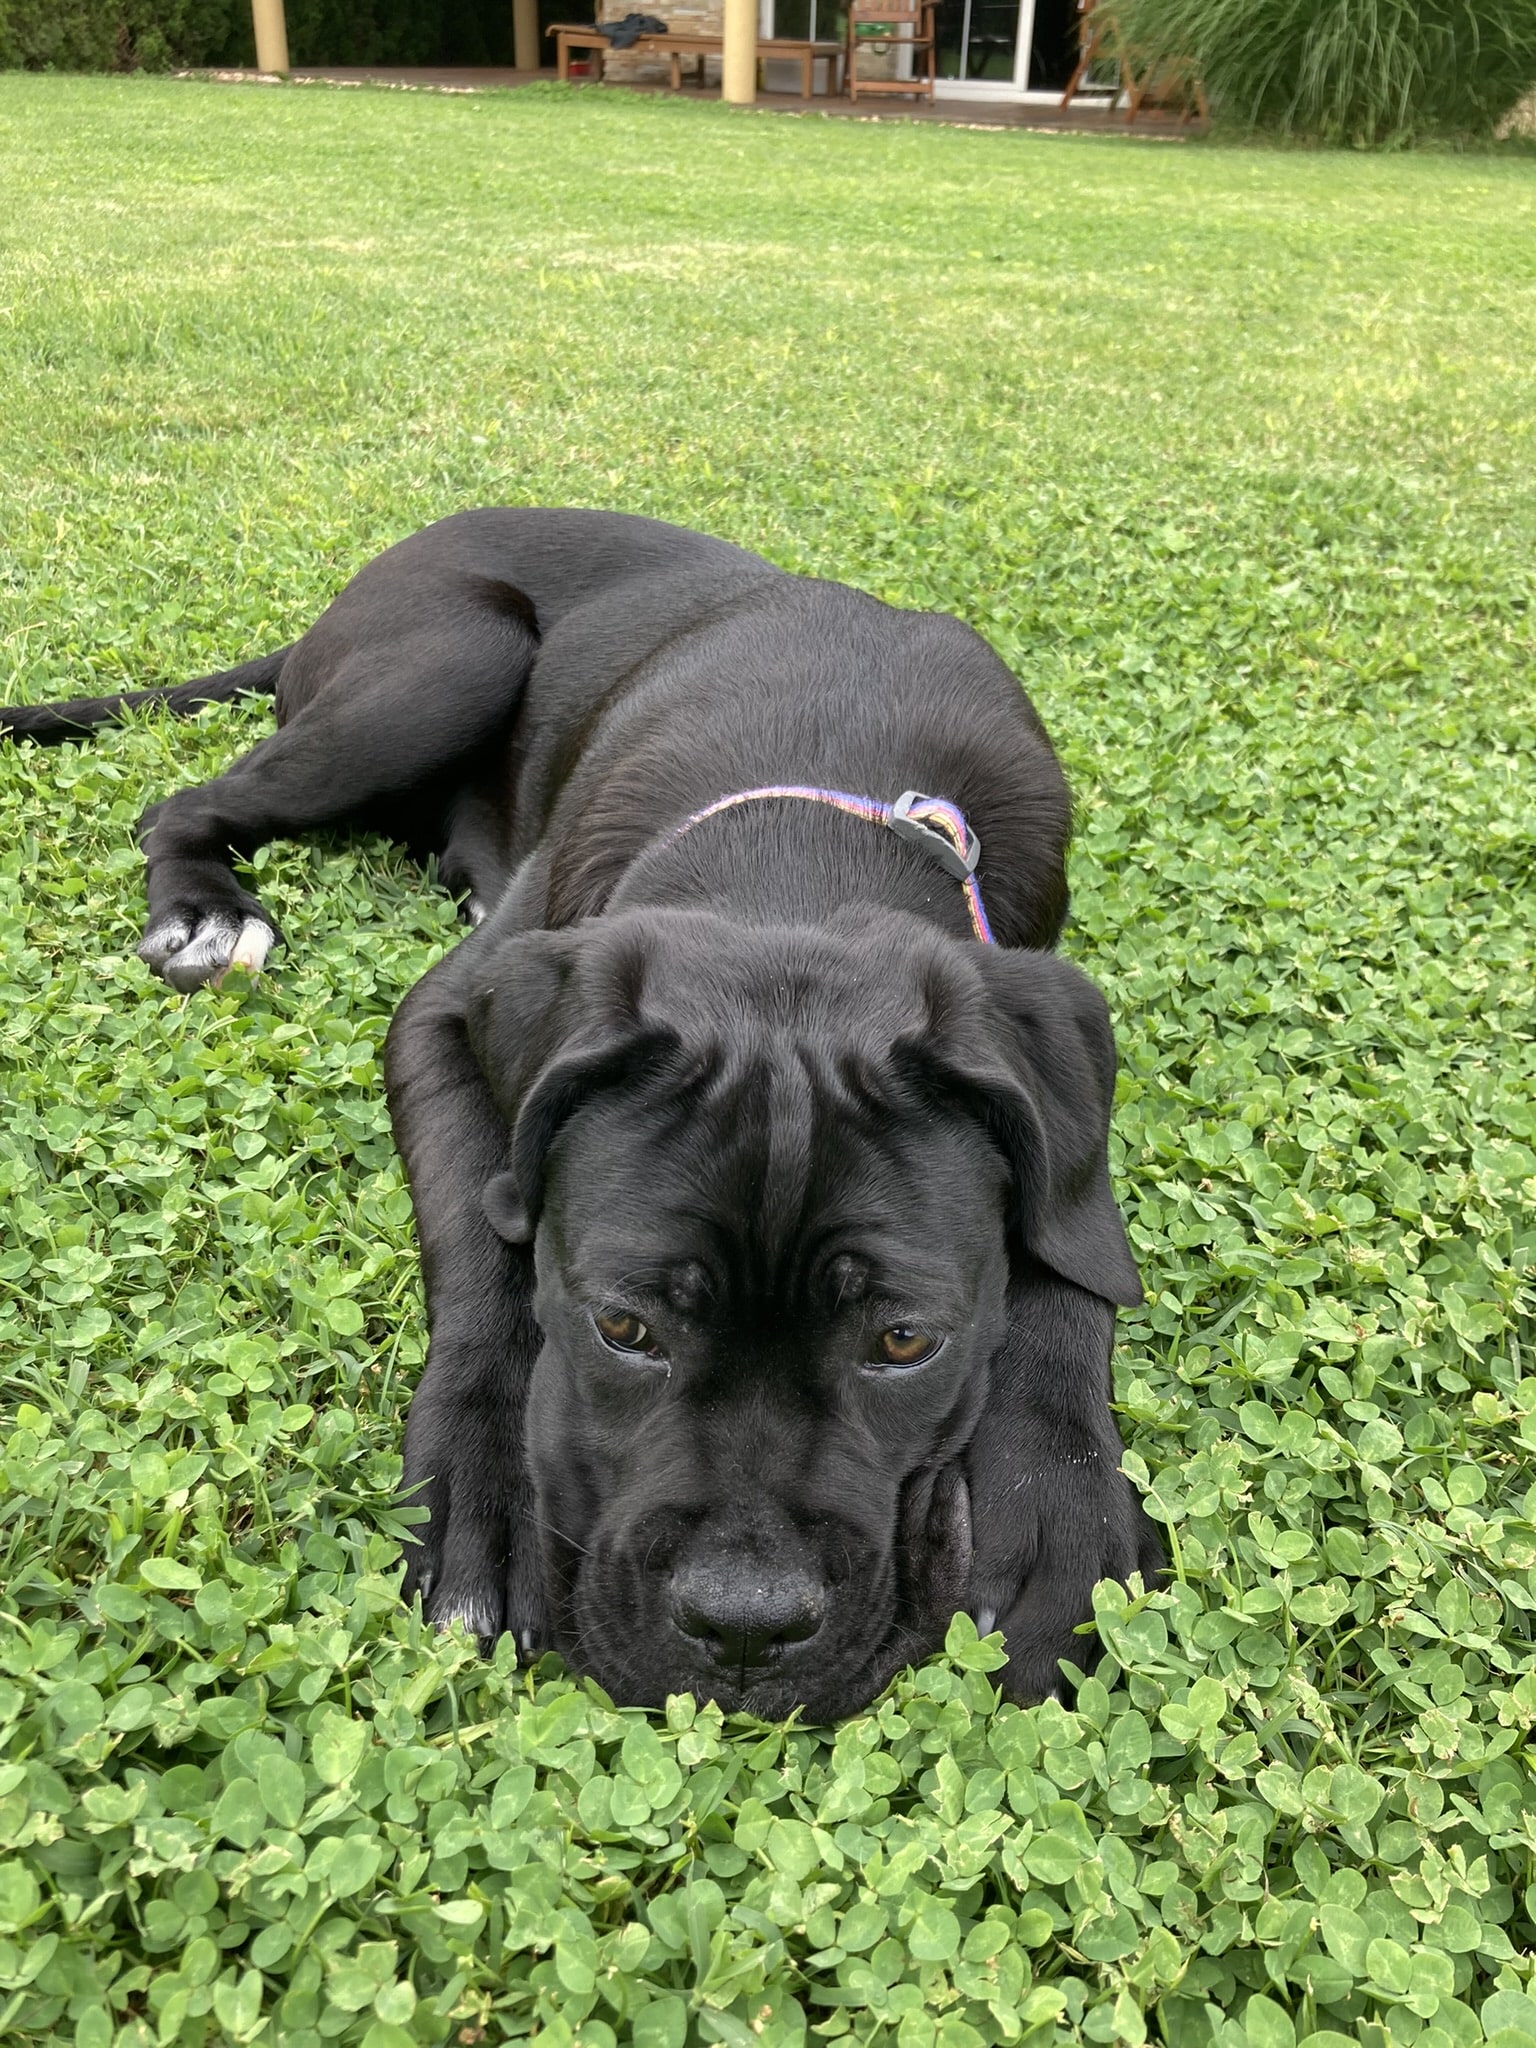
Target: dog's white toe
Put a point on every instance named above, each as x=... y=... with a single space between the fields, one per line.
x=479 y=1617
x=252 y=947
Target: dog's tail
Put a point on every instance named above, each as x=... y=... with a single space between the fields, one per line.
x=49 y=723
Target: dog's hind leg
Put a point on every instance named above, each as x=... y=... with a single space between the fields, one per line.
x=392 y=734
x=473 y=862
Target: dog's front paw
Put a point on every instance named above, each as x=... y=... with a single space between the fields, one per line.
x=933 y=1571
x=190 y=948
x=477 y=1604
x=1042 y=1546
x=478 y=1586
x=477 y=1559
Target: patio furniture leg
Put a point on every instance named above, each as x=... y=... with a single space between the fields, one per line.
x=562 y=60
x=1077 y=77
x=1090 y=34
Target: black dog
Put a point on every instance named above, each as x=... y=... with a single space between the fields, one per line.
x=769 y=1245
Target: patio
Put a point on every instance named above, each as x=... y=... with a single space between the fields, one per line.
x=1083 y=117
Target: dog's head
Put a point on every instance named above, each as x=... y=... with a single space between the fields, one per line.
x=776 y=1180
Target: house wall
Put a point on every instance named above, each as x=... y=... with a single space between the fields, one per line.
x=684 y=17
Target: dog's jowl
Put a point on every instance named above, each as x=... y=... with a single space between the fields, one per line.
x=757 y=1138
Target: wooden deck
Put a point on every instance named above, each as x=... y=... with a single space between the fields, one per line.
x=1079 y=119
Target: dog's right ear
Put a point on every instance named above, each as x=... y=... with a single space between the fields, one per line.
x=554 y=1017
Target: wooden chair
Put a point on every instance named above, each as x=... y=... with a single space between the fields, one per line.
x=1171 y=83
x=876 y=25
x=1167 y=82
x=1093 y=34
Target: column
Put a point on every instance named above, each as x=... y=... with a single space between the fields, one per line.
x=525 y=34
x=271 y=35
x=738 y=64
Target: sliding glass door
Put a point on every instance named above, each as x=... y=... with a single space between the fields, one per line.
x=979 y=40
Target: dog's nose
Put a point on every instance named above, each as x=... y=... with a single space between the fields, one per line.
x=744 y=1615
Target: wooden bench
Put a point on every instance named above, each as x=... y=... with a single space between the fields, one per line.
x=574 y=36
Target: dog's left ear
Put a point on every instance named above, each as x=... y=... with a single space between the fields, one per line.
x=1037 y=1061
x=555 y=1020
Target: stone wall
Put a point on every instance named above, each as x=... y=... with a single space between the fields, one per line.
x=684 y=18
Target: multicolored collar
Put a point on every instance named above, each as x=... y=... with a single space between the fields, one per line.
x=932 y=823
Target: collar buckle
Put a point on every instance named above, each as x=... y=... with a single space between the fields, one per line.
x=932 y=838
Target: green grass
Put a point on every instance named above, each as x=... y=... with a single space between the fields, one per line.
x=1231 y=456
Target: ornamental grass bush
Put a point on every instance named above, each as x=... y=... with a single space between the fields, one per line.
x=1348 y=71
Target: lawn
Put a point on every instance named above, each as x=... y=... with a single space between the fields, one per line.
x=1231 y=455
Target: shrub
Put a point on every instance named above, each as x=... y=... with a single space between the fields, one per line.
x=1356 y=71
x=121 y=35
x=164 y=35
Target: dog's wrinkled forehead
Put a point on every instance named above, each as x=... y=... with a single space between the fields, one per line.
x=839 y=989
x=771 y=1137
x=778 y=1046
x=760 y=1184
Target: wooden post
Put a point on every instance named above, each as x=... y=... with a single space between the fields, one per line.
x=738 y=62
x=525 y=34
x=271 y=35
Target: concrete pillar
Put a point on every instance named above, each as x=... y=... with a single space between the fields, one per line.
x=271 y=35
x=525 y=34
x=738 y=62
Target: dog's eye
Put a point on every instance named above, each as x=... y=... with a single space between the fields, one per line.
x=904 y=1345
x=623 y=1332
